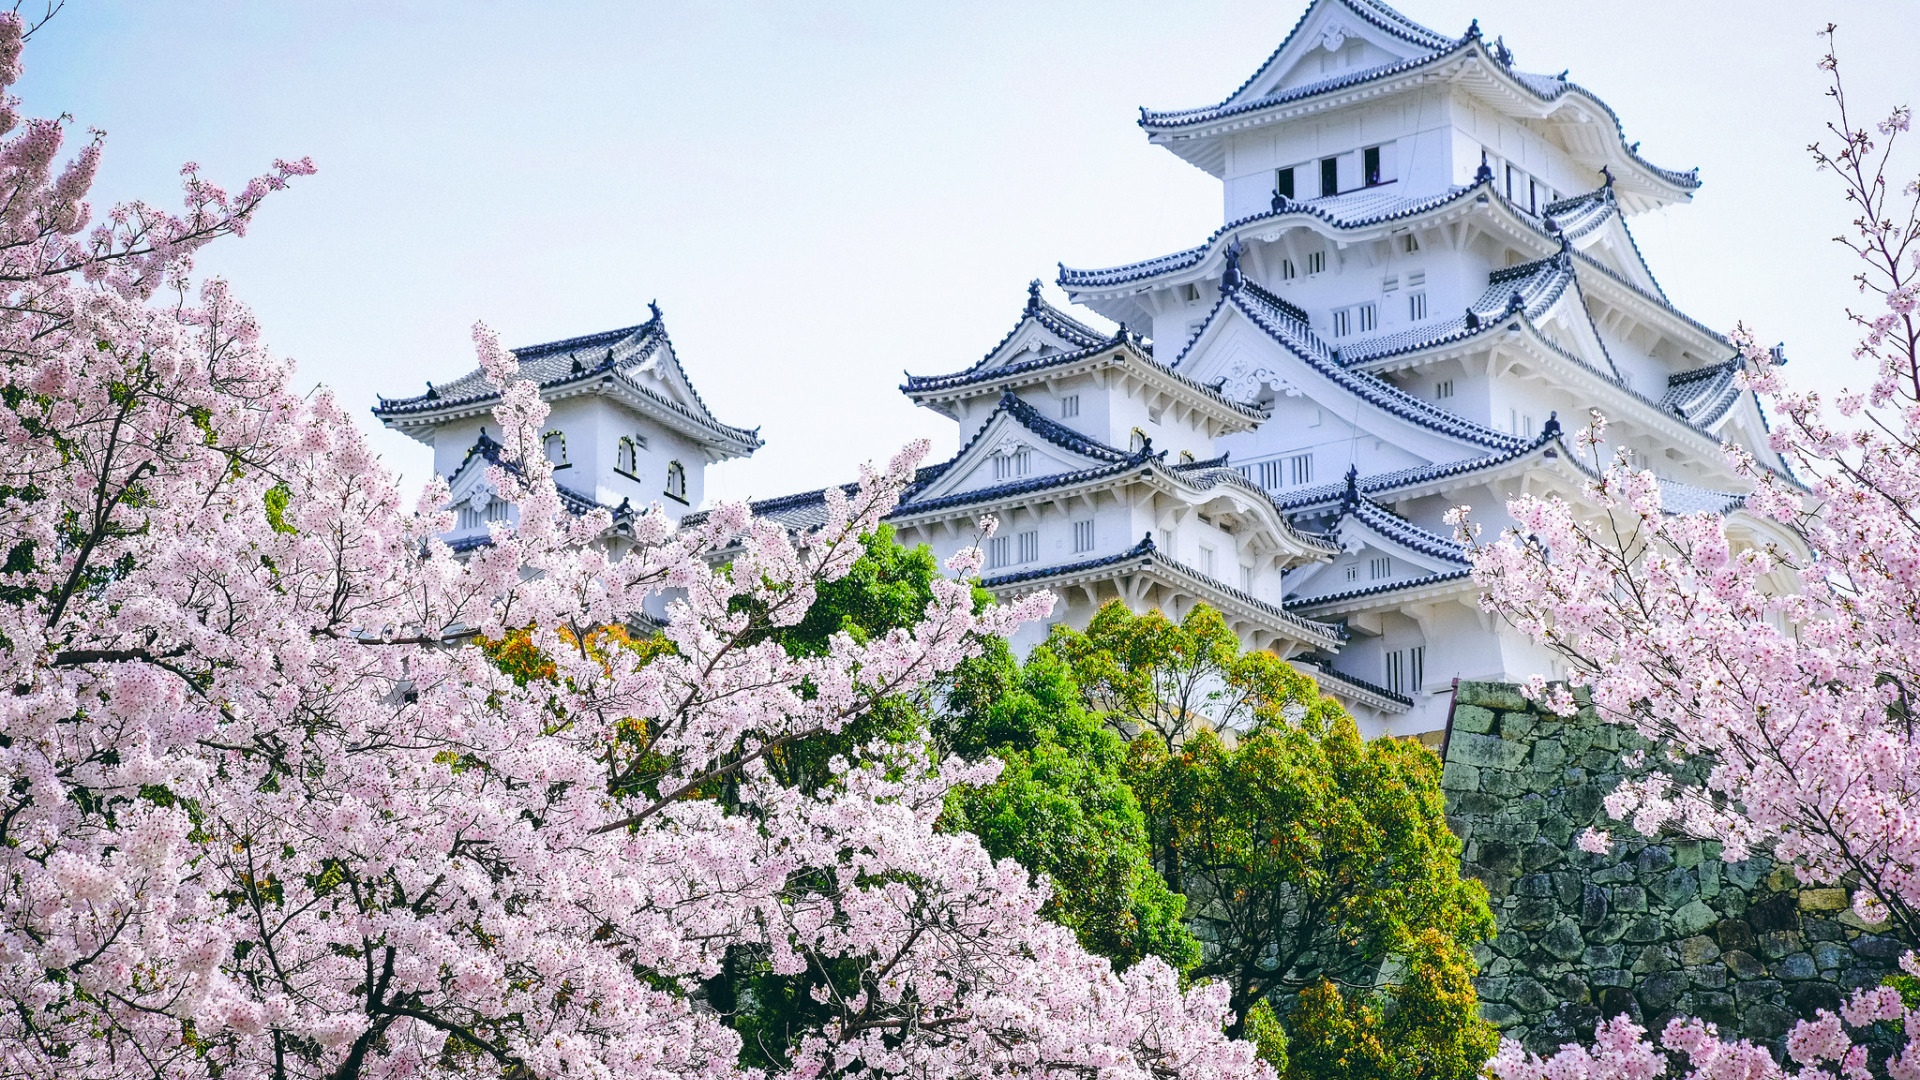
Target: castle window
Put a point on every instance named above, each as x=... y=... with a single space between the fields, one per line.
x=1083 y=536
x=1029 y=545
x=1416 y=277
x=1012 y=463
x=1533 y=195
x=1416 y=306
x=1364 y=317
x=997 y=549
x=1270 y=474
x=1316 y=261
x=1369 y=317
x=1409 y=244
x=1353 y=573
x=626 y=458
x=1286 y=269
x=1206 y=560
x=1389 y=283
x=1381 y=567
x=1510 y=175
x=1069 y=406
x=554 y=445
x=1300 y=469
x=1190 y=292
x=1371 y=158
x=1342 y=322
x=1329 y=176
x=1246 y=578
x=1405 y=668
x=676 y=481
x=1283 y=182
x=471 y=517
x=1443 y=389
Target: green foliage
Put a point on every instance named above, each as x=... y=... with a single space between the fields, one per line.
x=1315 y=862
x=276 y=499
x=1062 y=807
x=1269 y=1039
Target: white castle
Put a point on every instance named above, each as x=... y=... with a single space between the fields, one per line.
x=1425 y=266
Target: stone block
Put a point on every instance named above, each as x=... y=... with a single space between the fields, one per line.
x=1775 y=944
x=1716 y=1007
x=1501 y=782
x=1651 y=959
x=1557 y=829
x=1796 y=966
x=1500 y=1016
x=1745 y=874
x=1566 y=888
x=1710 y=977
x=1823 y=899
x=1779 y=911
x=1563 y=941
x=1698 y=949
x=1644 y=928
x=1472 y=719
x=1601 y=956
x=1489 y=695
x=1498 y=884
x=1807 y=998
x=1627 y=898
x=1781 y=879
x=1533 y=885
x=1828 y=955
x=1657 y=992
x=1518 y=725
x=1877 y=947
x=1499 y=856
x=1611 y=929
x=1530 y=997
x=1617 y=874
x=1492 y=989
x=1765 y=1022
x=1653 y=859
x=1688 y=852
x=1756 y=990
x=1593 y=905
x=1693 y=918
x=1818 y=929
x=1676 y=887
x=1455 y=776
x=1541 y=854
x=1530 y=913
x=1610 y=977
x=1573 y=989
x=1549 y=755
x=1485 y=751
x=1615 y=1000
x=1510 y=943
x=1733 y=934
x=1473 y=804
x=1744 y=965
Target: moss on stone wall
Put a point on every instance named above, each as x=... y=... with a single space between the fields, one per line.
x=1655 y=928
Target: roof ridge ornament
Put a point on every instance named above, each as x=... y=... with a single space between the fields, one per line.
x=654 y=306
x=1607 y=173
x=1231 y=278
x=1279 y=201
x=1500 y=51
x=1515 y=303
x=1483 y=174
x=1033 y=295
x=1551 y=429
x=1473 y=319
x=1350 y=498
x=1473 y=31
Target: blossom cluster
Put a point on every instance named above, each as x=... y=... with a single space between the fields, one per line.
x=266 y=810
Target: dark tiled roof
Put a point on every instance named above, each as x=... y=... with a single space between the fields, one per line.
x=923 y=384
x=1544 y=87
x=578 y=359
x=1328 y=495
x=1353 y=210
x=1287 y=325
x=1372 y=11
x=1539 y=283
x=1401 y=531
x=1704 y=395
x=1145 y=552
x=1375 y=590
x=1324 y=671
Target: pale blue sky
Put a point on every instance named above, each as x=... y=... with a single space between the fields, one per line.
x=823 y=194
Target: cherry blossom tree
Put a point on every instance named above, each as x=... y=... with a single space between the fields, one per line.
x=267 y=810
x=1782 y=644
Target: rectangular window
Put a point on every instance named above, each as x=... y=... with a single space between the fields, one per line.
x=1381 y=567
x=1510 y=175
x=1286 y=269
x=1316 y=261
x=1416 y=306
x=1353 y=573
x=1409 y=243
x=1283 y=183
x=1371 y=157
x=1300 y=469
x=1417 y=277
x=1369 y=317
x=1270 y=474
x=1206 y=561
x=1389 y=283
x=1527 y=422
x=1533 y=195
x=1190 y=292
x=1342 y=322
x=1329 y=176
x=1069 y=406
x=1443 y=389
x=1405 y=669
x=1002 y=466
x=1246 y=579
x=1082 y=536
x=997 y=552
x=1029 y=545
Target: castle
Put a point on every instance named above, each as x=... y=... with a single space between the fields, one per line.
x=1425 y=279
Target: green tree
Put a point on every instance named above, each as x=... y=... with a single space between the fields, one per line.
x=1317 y=865
x=1062 y=807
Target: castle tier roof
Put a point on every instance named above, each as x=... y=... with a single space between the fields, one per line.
x=633 y=363
x=1287 y=325
x=1425 y=55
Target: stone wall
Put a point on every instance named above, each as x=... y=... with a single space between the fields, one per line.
x=1654 y=929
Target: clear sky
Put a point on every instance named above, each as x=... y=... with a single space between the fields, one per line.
x=823 y=194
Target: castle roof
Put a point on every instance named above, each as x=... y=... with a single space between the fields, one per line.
x=1419 y=55
x=635 y=364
